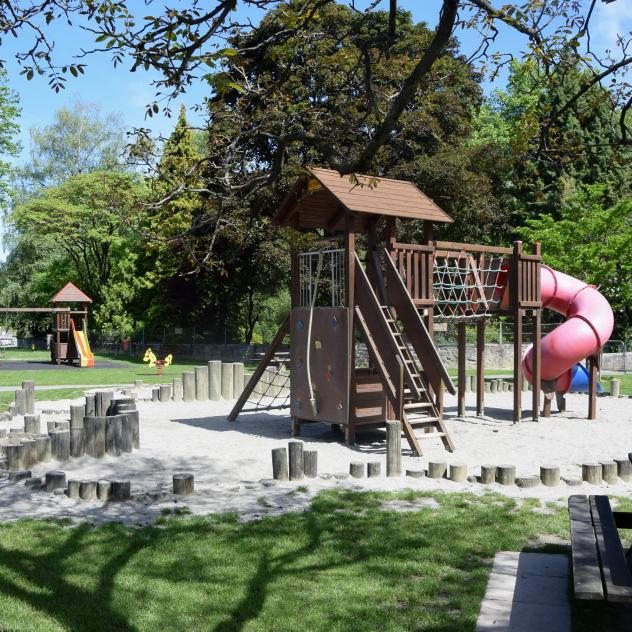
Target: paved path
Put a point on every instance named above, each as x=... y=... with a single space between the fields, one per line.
x=526 y=592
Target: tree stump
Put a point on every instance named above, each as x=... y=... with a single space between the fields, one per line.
x=506 y=474
x=550 y=475
x=4 y=464
x=164 y=393
x=94 y=429
x=77 y=413
x=127 y=433
x=215 y=380
x=104 y=490
x=472 y=381
x=155 y=394
x=43 y=448
x=183 y=484
x=20 y=402
x=137 y=384
x=356 y=469
x=88 y=490
x=134 y=417
x=591 y=473
x=29 y=388
x=90 y=406
x=393 y=448
x=32 y=424
x=201 y=383
x=15 y=455
x=624 y=468
x=19 y=475
x=188 y=386
x=310 y=463
x=74 y=489
x=609 y=471
x=121 y=490
x=55 y=479
x=227 y=380
x=238 y=379
x=488 y=387
x=488 y=474
x=373 y=469
x=295 y=451
x=458 y=472
x=279 y=464
x=113 y=435
x=525 y=384
x=437 y=469
x=60 y=444
x=510 y=387
x=30 y=452
x=77 y=442
x=177 y=389
x=415 y=473
x=494 y=386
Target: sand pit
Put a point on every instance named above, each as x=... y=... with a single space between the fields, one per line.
x=231 y=461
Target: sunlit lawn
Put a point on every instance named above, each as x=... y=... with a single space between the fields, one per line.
x=344 y=565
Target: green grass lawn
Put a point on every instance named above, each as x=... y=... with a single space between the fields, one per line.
x=344 y=565
x=7 y=398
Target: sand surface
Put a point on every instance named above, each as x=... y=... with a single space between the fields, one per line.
x=232 y=463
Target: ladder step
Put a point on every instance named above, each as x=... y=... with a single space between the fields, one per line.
x=416 y=405
x=422 y=421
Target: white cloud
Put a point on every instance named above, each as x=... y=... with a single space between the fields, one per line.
x=612 y=20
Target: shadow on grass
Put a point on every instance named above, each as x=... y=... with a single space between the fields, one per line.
x=343 y=565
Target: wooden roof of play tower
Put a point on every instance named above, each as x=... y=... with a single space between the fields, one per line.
x=322 y=199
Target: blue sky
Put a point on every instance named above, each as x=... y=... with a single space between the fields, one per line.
x=118 y=90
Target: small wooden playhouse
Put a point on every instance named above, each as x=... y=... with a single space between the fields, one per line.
x=387 y=295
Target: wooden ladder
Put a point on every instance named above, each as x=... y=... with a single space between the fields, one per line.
x=419 y=410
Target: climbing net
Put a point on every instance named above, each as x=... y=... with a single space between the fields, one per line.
x=272 y=391
x=465 y=287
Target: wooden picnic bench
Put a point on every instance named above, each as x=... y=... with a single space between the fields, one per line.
x=601 y=568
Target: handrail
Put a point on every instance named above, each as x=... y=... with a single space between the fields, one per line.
x=414 y=326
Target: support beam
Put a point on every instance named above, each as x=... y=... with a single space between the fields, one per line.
x=461 y=369
x=350 y=272
x=480 y=367
x=536 y=323
x=593 y=378
x=517 y=403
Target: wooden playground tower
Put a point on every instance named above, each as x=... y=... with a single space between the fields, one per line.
x=391 y=299
x=63 y=346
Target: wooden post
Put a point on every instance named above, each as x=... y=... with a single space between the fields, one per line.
x=373 y=469
x=458 y=472
x=550 y=475
x=177 y=389
x=238 y=379
x=32 y=424
x=480 y=367
x=113 y=435
x=227 y=380
x=295 y=450
x=121 y=490
x=29 y=388
x=55 y=479
x=164 y=394
x=88 y=490
x=127 y=432
x=350 y=253
x=77 y=442
x=90 y=405
x=77 y=413
x=102 y=403
x=94 y=428
x=461 y=369
x=73 y=489
x=183 y=484
x=356 y=469
x=201 y=383
x=609 y=471
x=188 y=386
x=15 y=455
x=591 y=473
x=30 y=452
x=215 y=380
x=593 y=372
x=488 y=474
x=60 y=444
x=516 y=297
x=20 y=402
x=279 y=464
x=104 y=490
x=43 y=448
x=310 y=463
x=393 y=448
x=506 y=474
x=437 y=469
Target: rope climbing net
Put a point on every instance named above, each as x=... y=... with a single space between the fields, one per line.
x=466 y=287
x=272 y=391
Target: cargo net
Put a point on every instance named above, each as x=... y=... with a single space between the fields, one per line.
x=272 y=391
x=468 y=287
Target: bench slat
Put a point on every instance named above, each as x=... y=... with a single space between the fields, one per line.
x=616 y=574
x=586 y=572
x=623 y=519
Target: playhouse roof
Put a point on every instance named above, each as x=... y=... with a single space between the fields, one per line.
x=322 y=199
x=70 y=293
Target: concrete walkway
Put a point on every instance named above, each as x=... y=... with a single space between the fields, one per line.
x=527 y=592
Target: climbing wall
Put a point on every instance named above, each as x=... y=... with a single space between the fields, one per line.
x=328 y=364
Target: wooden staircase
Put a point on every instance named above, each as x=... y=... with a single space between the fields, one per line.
x=405 y=383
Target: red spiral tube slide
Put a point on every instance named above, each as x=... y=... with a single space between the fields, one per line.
x=588 y=326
